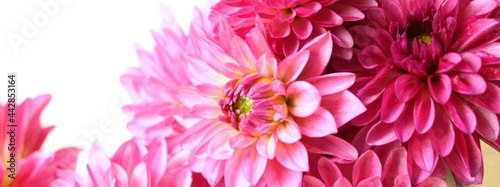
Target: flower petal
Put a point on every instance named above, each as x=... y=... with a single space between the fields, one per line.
x=381 y=134
x=391 y=106
x=328 y=171
x=253 y=165
x=267 y=66
x=319 y=124
x=310 y=181
x=242 y=53
x=291 y=67
x=233 y=176
x=440 y=87
x=344 y=106
x=288 y=131
x=489 y=100
x=139 y=177
x=266 y=146
x=320 y=53
x=302 y=28
x=477 y=31
x=279 y=30
x=448 y=62
x=303 y=99
x=487 y=123
x=292 y=156
x=442 y=134
x=423 y=113
x=468 y=84
x=404 y=126
x=331 y=145
x=279 y=176
x=326 y=18
x=219 y=148
x=420 y=147
x=241 y=141
x=394 y=166
x=333 y=82
x=461 y=115
x=368 y=165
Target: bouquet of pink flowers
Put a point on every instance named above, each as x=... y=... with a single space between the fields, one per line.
x=309 y=93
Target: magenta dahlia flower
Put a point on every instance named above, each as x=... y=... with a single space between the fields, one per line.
x=366 y=171
x=291 y=24
x=262 y=115
x=34 y=167
x=429 y=77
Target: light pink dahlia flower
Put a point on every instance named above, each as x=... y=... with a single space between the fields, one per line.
x=291 y=24
x=261 y=115
x=34 y=167
x=367 y=171
x=429 y=77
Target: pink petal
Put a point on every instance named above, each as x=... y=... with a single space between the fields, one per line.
x=342 y=182
x=319 y=124
x=310 y=181
x=157 y=157
x=329 y=171
x=320 y=52
x=368 y=165
x=433 y=182
x=209 y=91
x=139 y=176
x=255 y=39
x=393 y=10
x=331 y=145
x=448 y=62
x=476 y=31
x=381 y=134
x=279 y=176
x=487 y=123
x=348 y=12
x=242 y=53
x=326 y=18
x=291 y=67
x=402 y=181
x=233 y=175
x=308 y=9
x=267 y=65
x=292 y=156
x=442 y=134
x=490 y=53
x=470 y=63
x=465 y=161
x=266 y=146
x=219 y=148
x=391 y=106
x=333 y=82
x=461 y=115
x=468 y=84
x=440 y=87
x=420 y=147
x=376 y=86
x=285 y=15
x=204 y=73
x=342 y=37
x=488 y=100
x=404 y=126
x=303 y=99
x=290 y=45
x=241 y=141
x=279 y=30
x=394 y=166
x=344 y=106
x=253 y=165
x=214 y=171
x=423 y=113
x=371 y=57
x=302 y=28
x=370 y=182
x=288 y=131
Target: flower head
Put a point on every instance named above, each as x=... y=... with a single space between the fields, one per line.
x=427 y=71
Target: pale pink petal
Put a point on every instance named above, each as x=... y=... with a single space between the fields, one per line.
x=204 y=73
x=368 y=165
x=267 y=66
x=461 y=115
x=320 y=51
x=333 y=82
x=420 y=147
x=190 y=97
x=288 y=131
x=253 y=165
x=209 y=90
x=279 y=176
x=129 y=155
x=440 y=87
x=279 y=30
x=156 y=160
x=213 y=171
x=424 y=112
x=140 y=176
x=391 y=106
x=255 y=39
x=381 y=134
x=233 y=175
x=242 y=53
x=266 y=146
x=303 y=99
x=468 y=84
x=241 y=141
x=302 y=28
x=219 y=147
x=292 y=156
x=319 y=124
x=344 y=106
x=331 y=145
x=291 y=67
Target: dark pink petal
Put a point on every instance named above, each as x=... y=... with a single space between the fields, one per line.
x=368 y=165
x=253 y=165
x=319 y=124
x=285 y=15
x=476 y=31
x=348 y=12
x=329 y=171
x=406 y=86
x=291 y=67
x=288 y=131
x=331 y=145
x=308 y=9
x=333 y=82
x=487 y=123
x=439 y=87
x=490 y=72
x=303 y=99
x=320 y=51
x=310 y=181
x=342 y=182
x=394 y=166
x=278 y=30
x=448 y=62
x=468 y=84
x=375 y=87
x=292 y=156
x=442 y=134
x=423 y=112
x=233 y=175
x=404 y=126
x=279 y=176
x=489 y=100
x=393 y=11
x=433 y=182
x=420 y=147
x=381 y=134
x=370 y=182
x=327 y=18
x=402 y=181
x=290 y=45
x=478 y=8
x=372 y=112
x=344 y=106
x=371 y=57
x=461 y=115
x=470 y=63
x=465 y=160
x=302 y=28
x=391 y=106
x=342 y=37
x=490 y=53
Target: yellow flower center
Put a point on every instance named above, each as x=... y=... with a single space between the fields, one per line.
x=426 y=38
x=243 y=105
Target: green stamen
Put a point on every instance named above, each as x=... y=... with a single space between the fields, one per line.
x=243 y=104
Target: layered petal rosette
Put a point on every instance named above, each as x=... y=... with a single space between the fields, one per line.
x=429 y=77
x=261 y=115
x=34 y=167
x=291 y=24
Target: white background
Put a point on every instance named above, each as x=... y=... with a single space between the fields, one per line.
x=78 y=57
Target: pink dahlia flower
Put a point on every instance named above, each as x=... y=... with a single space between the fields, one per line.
x=368 y=171
x=429 y=77
x=262 y=115
x=34 y=167
x=135 y=164
x=291 y=24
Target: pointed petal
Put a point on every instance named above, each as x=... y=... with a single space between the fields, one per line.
x=219 y=148
x=461 y=115
x=266 y=146
x=344 y=106
x=440 y=87
x=476 y=31
x=291 y=67
x=442 y=134
x=267 y=65
x=292 y=156
x=368 y=165
x=329 y=171
x=487 y=123
x=407 y=86
x=139 y=176
x=214 y=170
x=391 y=106
x=404 y=126
x=241 y=141
x=331 y=145
x=288 y=131
x=327 y=18
x=253 y=165
x=242 y=53
x=233 y=175
x=394 y=166
x=333 y=83
x=279 y=176
x=381 y=134
x=422 y=152
x=303 y=99
x=319 y=124
x=489 y=100
x=468 y=84
x=423 y=113
x=320 y=52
